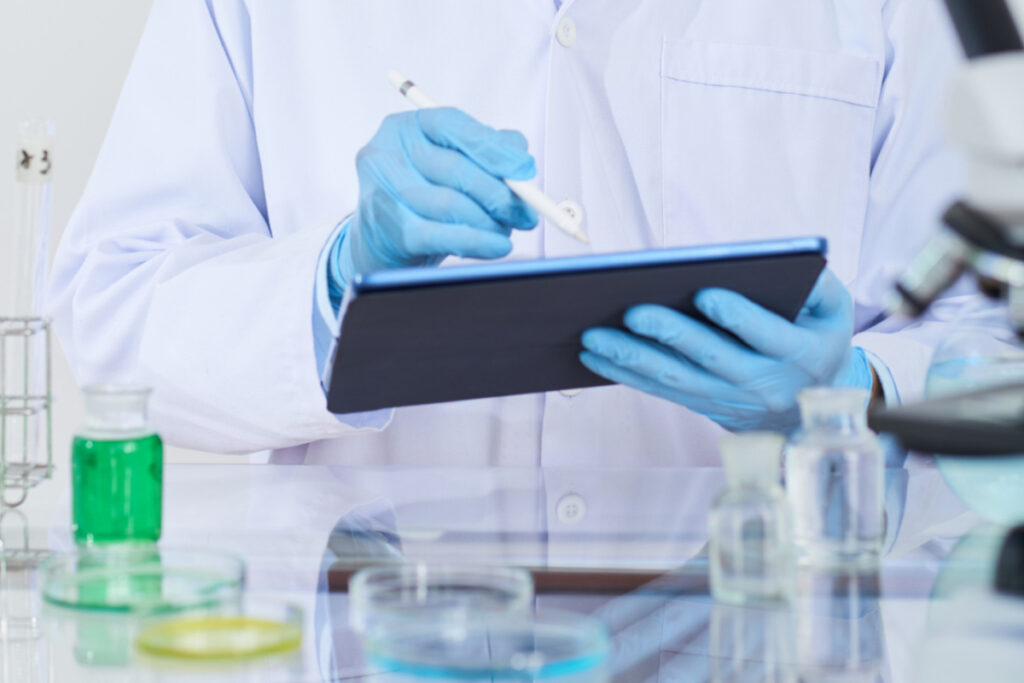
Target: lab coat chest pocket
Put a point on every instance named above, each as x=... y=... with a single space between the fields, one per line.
x=764 y=142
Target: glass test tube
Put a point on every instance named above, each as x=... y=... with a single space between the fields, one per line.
x=31 y=228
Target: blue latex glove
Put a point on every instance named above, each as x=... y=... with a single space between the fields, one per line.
x=430 y=186
x=741 y=386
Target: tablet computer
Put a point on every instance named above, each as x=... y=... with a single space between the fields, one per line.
x=430 y=335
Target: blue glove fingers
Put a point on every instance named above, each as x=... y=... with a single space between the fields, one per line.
x=829 y=307
x=829 y=297
x=445 y=205
x=600 y=365
x=494 y=151
x=449 y=168
x=514 y=139
x=658 y=365
x=759 y=328
x=707 y=347
x=442 y=239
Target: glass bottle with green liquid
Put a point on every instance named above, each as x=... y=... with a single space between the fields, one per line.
x=116 y=469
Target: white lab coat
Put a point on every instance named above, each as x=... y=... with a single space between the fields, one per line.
x=190 y=261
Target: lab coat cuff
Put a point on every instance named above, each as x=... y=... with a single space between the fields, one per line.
x=905 y=362
x=885 y=378
x=325 y=313
x=327 y=325
x=895 y=502
x=895 y=454
x=330 y=283
x=335 y=273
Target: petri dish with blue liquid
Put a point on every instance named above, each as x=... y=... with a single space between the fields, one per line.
x=546 y=646
x=418 y=590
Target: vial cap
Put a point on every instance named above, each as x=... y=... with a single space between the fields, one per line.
x=752 y=458
x=116 y=407
x=830 y=403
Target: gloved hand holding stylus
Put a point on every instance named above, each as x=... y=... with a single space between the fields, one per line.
x=430 y=186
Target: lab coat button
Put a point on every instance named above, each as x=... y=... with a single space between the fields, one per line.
x=566 y=32
x=571 y=508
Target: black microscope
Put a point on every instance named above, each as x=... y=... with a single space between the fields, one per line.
x=983 y=236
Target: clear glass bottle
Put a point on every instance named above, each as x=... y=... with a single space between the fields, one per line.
x=835 y=481
x=116 y=469
x=748 y=526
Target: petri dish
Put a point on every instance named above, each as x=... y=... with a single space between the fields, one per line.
x=418 y=590
x=141 y=578
x=248 y=629
x=555 y=646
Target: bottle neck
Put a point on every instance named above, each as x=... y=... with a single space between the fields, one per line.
x=834 y=410
x=106 y=433
x=755 y=487
x=114 y=412
x=752 y=460
x=836 y=423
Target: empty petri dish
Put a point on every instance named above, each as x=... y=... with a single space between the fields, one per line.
x=549 y=645
x=141 y=578
x=247 y=629
x=422 y=590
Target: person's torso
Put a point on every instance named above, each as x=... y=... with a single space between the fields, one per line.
x=672 y=122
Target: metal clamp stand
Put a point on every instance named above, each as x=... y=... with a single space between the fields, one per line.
x=26 y=400
x=26 y=459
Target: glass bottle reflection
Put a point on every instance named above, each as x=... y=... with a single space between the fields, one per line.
x=752 y=644
x=838 y=625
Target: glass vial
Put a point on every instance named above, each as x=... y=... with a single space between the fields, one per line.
x=835 y=481
x=116 y=469
x=749 y=526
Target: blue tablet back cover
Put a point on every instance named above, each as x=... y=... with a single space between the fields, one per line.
x=434 y=335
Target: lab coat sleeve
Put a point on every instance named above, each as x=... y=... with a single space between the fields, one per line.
x=169 y=272
x=915 y=176
x=325 y=308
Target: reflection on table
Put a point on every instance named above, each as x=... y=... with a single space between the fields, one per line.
x=626 y=546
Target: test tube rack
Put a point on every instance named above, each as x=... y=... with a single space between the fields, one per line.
x=26 y=401
x=26 y=397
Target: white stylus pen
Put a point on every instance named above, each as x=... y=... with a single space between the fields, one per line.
x=565 y=219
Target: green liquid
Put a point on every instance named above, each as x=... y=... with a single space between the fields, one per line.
x=117 y=489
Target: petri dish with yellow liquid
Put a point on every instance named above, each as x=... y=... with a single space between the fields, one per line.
x=249 y=629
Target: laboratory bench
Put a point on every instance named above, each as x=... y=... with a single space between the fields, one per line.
x=626 y=546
